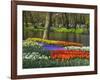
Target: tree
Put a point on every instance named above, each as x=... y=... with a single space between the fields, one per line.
x=47 y=26
x=25 y=18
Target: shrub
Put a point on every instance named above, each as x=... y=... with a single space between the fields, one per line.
x=79 y=30
x=71 y=30
x=29 y=31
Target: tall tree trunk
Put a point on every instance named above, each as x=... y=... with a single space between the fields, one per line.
x=47 y=26
x=26 y=19
x=31 y=19
x=75 y=21
x=66 y=20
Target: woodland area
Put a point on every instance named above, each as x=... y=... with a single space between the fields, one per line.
x=54 y=22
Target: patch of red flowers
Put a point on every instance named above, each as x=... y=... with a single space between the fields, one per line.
x=69 y=54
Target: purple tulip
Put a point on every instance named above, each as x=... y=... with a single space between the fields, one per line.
x=53 y=47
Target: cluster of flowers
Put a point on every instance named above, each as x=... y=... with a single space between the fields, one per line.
x=29 y=43
x=69 y=54
x=83 y=48
x=61 y=43
x=35 y=55
x=68 y=43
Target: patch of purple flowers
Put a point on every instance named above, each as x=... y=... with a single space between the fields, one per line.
x=53 y=47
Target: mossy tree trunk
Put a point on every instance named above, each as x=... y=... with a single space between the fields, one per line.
x=47 y=26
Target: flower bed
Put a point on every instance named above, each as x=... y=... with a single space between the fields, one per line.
x=39 y=53
x=68 y=43
x=69 y=54
x=83 y=48
x=53 y=47
x=61 y=43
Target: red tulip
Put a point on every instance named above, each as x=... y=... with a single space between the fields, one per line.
x=69 y=54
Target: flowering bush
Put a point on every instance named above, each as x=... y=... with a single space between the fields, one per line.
x=69 y=54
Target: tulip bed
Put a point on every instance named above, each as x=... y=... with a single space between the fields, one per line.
x=69 y=54
x=61 y=43
x=40 y=53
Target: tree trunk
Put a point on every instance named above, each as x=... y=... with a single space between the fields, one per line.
x=31 y=19
x=26 y=19
x=66 y=20
x=47 y=26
